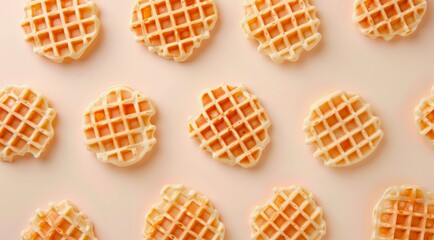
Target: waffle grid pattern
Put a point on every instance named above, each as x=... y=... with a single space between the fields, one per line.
x=118 y=126
x=232 y=125
x=60 y=29
x=183 y=214
x=424 y=117
x=343 y=129
x=404 y=212
x=25 y=122
x=283 y=28
x=388 y=18
x=291 y=214
x=60 y=221
x=173 y=28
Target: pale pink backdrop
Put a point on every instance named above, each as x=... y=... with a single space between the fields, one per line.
x=393 y=76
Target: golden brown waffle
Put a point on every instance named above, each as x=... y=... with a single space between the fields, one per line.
x=26 y=122
x=183 y=214
x=404 y=212
x=291 y=214
x=232 y=125
x=118 y=127
x=283 y=28
x=424 y=116
x=60 y=29
x=61 y=221
x=388 y=18
x=343 y=129
x=173 y=28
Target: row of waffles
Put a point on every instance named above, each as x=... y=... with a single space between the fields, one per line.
x=62 y=29
x=404 y=212
x=232 y=125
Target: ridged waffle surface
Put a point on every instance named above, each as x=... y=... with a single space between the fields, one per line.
x=118 y=127
x=283 y=28
x=404 y=212
x=424 y=116
x=388 y=18
x=291 y=214
x=61 y=221
x=173 y=28
x=60 y=29
x=232 y=125
x=343 y=129
x=26 y=122
x=183 y=214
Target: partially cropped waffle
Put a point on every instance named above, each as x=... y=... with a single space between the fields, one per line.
x=388 y=18
x=283 y=28
x=232 y=125
x=173 y=28
x=343 y=129
x=61 y=221
x=118 y=126
x=26 y=122
x=291 y=214
x=424 y=116
x=183 y=214
x=404 y=212
x=60 y=29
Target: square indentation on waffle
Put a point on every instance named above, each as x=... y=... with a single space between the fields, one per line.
x=404 y=212
x=232 y=125
x=118 y=126
x=60 y=29
x=292 y=213
x=283 y=28
x=60 y=221
x=173 y=28
x=343 y=129
x=26 y=122
x=388 y=18
x=424 y=116
x=183 y=214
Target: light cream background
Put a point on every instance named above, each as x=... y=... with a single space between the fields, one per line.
x=393 y=76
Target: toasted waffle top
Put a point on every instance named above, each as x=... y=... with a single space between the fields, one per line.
x=183 y=214
x=388 y=18
x=118 y=126
x=26 y=122
x=343 y=129
x=60 y=29
x=232 y=125
x=404 y=212
x=424 y=117
x=291 y=214
x=61 y=221
x=283 y=28
x=173 y=28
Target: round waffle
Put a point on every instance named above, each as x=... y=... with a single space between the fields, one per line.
x=60 y=29
x=388 y=18
x=26 y=122
x=343 y=129
x=232 y=125
x=173 y=28
x=292 y=213
x=404 y=212
x=424 y=116
x=60 y=221
x=118 y=127
x=183 y=214
x=283 y=28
